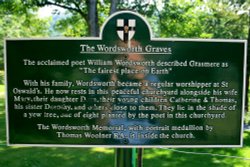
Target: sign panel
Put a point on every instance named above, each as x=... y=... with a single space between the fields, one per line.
x=125 y=89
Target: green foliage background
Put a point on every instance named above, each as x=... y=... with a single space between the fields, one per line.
x=18 y=21
x=228 y=19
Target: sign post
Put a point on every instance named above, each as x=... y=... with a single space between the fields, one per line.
x=128 y=157
x=125 y=157
x=125 y=89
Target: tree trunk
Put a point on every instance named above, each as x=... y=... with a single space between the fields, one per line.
x=93 y=18
x=113 y=6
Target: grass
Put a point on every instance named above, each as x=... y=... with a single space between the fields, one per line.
x=167 y=158
x=95 y=157
x=53 y=157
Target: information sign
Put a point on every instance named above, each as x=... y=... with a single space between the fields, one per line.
x=125 y=89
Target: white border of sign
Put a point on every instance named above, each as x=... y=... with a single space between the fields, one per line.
x=152 y=39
